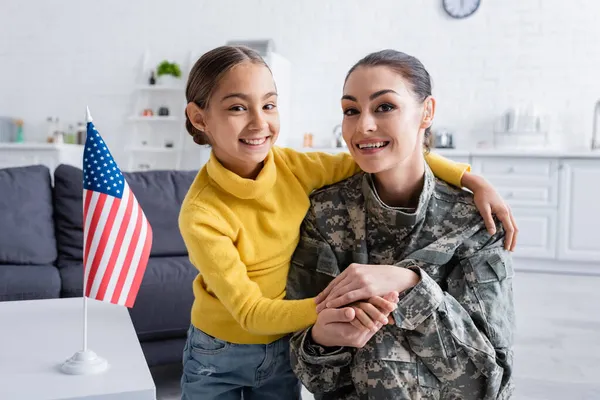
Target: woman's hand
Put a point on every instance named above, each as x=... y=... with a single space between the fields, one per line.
x=363 y=281
x=375 y=313
x=489 y=202
x=337 y=327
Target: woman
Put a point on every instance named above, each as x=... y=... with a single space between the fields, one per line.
x=396 y=227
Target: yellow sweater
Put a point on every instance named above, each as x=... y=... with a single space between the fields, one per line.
x=241 y=234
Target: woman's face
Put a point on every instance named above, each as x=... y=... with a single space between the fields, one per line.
x=383 y=121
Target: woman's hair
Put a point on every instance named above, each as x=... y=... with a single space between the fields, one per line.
x=410 y=68
x=206 y=75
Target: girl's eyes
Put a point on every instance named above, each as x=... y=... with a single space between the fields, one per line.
x=269 y=106
x=350 y=111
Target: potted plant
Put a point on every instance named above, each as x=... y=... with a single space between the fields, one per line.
x=168 y=73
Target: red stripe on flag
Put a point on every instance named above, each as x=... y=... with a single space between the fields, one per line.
x=127 y=262
x=116 y=250
x=105 y=236
x=90 y=233
x=139 y=273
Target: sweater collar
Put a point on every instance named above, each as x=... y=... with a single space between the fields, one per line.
x=239 y=187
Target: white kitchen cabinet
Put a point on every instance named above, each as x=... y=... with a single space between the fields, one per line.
x=537 y=232
x=521 y=182
x=513 y=168
x=48 y=154
x=580 y=211
x=530 y=186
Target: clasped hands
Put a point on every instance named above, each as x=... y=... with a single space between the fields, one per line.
x=358 y=303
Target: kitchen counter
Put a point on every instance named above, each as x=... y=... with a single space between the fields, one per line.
x=499 y=152
x=39 y=146
x=527 y=153
x=48 y=154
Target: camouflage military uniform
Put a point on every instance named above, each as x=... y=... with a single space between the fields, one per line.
x=453 y=337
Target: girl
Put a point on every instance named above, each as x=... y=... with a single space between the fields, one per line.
x=240 y=221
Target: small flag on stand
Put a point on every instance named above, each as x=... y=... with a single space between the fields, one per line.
x=117 y=235
x=116 y=242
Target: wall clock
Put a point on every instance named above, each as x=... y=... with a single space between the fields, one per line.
x=460 y=8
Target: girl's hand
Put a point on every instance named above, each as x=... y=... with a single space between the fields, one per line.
x=375 y=313
x=361 y=282
x=489 y=202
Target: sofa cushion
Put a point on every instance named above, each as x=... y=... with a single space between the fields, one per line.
x=68 y=214
x=160 y=194
x=163 y=352
x=163 y=304
x=26 y=225
x=29 y=282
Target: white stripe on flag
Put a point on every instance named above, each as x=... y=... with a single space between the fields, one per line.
x=141 y=241
x=99 y=230
x=86 y=230
x=110 y=245
x=114 y=279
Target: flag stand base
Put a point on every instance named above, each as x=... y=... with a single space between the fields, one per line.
x=84 y=363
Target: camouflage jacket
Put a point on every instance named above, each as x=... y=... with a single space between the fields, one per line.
x=453 y=337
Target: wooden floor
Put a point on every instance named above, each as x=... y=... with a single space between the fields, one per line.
x=557 y=354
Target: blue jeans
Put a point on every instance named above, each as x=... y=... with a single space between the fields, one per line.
x=214 y=369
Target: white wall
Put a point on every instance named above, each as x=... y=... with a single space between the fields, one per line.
x=57 y=56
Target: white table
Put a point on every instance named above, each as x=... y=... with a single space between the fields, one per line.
x=37 y=336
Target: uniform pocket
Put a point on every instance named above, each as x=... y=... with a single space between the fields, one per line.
x=396 y=380
x=203 y=343
x=313 y=267
x=490 y=275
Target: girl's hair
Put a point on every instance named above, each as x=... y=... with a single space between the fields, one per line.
x=206 y=75
x=409 y=67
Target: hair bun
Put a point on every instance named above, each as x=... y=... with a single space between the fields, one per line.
x=199 y=138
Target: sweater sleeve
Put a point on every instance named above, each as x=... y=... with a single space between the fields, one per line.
x=212 y=251
x=317 y=169
x=447 y=170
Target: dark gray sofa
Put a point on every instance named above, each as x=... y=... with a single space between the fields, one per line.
x=41 y=242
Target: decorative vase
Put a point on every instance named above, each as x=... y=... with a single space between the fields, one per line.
x=168 y=80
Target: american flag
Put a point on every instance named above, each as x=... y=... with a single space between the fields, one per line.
x=116 y=234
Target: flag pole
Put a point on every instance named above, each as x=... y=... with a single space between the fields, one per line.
x=88 y=118
x=85 y=315
x=85 y=361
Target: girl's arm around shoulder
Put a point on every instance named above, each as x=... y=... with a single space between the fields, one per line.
x=487 y=200
x=446 y=169
x=317 y=169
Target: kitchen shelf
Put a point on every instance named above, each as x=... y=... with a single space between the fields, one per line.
x=152 y=149
x=154 y=118
x=160 y=88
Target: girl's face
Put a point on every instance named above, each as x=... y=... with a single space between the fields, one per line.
x=241 y=120
x=384 y=122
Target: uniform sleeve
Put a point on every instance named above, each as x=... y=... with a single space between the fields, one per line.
x=208 y=239
x=470 y=326
x=447 y=170
x=320 y=369
x=317 y=169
